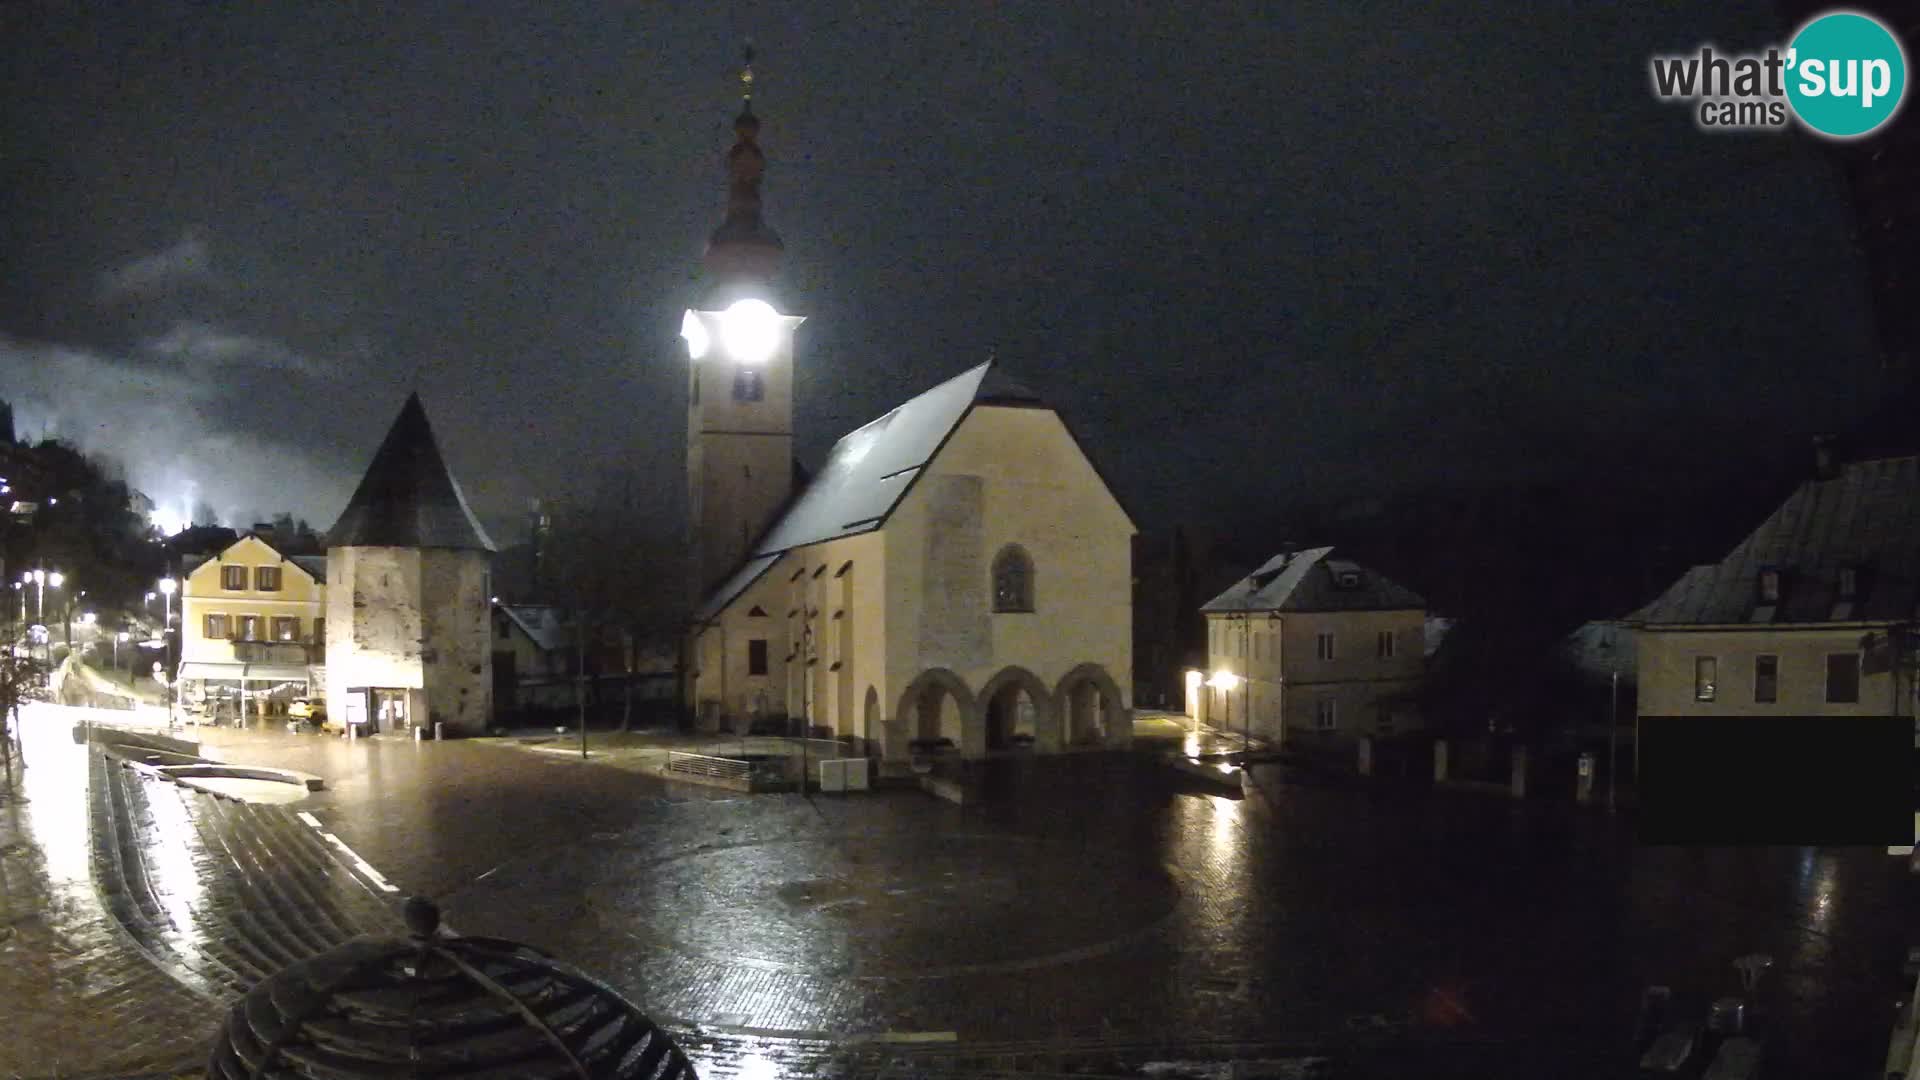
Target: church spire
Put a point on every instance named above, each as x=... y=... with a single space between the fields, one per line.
x=743 y=248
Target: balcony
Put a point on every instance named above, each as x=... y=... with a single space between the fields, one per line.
x=257 y=652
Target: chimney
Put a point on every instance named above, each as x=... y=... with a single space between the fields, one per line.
x=1826 y=457
x=263 y=528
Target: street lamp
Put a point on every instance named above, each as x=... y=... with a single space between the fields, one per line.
x=167 y=586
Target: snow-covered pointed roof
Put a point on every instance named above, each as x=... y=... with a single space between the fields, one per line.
x=1311 y=581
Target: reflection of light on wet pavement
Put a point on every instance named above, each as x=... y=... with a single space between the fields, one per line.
x=55 y=780
x=755 y=1067
x=253 y=791
x=168 y=859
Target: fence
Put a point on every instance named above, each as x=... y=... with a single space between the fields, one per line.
x=702 y=765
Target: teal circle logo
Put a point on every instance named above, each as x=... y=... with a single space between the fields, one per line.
x=1846 y=74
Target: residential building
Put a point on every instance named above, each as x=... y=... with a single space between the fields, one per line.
x=409 y=635
x=958 y=569
x=252 y=627
x=534 y=658
x=1312 y=649
x=1795 y=620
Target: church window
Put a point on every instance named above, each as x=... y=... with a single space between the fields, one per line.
x=1012 y=580
x=749 y=384
x=757 y=656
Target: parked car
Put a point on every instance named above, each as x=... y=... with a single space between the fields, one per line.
x=311 y=710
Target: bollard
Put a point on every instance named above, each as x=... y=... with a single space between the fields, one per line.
x=1439 y=761
x=439 y=731
x=353 y=731
x=1583 y=789
x=418 y=733
x=1519 y=783
x=1366 y=755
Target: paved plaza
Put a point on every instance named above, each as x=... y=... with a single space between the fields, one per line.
x=1090 y=914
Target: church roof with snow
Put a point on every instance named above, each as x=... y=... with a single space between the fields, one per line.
x=1841 y=549
x=408 y=498
x=1312 y=580
x=870 y=469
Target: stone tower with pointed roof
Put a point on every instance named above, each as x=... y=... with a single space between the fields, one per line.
x=408 y=593
x=740 y=384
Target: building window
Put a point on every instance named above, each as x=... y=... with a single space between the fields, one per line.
x=248 y=627
x=1766 y=679
x=749 y=384
x=1012 y=580
x=286 y=629
x=500 y=629
x=1843 y=678
x=1383 y=645
x=1323 y=645
x=1706 y=676
x=757 y=656
x=266 y=578
x=1849 y=584
x=215 y=627
x=1769 y=586
x=233 y=578
x=1325 y=714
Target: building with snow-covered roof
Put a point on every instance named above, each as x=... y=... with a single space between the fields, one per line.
x=1795 y=620
x=958 y=570
x=1312 y=648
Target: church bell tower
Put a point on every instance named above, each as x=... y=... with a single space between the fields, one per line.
x=740 y=389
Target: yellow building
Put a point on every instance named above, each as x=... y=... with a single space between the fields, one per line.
x=252 y=628
x=1311 y=648
x=958 y=570
x=1794 y=622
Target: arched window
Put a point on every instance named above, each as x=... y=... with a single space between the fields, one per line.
x=1012 y=580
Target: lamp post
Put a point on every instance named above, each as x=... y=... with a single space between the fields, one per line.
x=117 y=639
x=167 y=586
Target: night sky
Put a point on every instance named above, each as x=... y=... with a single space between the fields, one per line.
x=1256 y=253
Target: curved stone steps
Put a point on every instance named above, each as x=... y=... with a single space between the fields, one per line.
x=118 y=892
x=278 y=895
x=219 y=893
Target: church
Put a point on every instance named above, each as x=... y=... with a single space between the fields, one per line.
x=957 y=575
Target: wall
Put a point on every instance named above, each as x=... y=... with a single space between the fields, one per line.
x=1666 y=666
x=1289 y=678
x=456 y=652
x=1008 y=475
x=805 y=586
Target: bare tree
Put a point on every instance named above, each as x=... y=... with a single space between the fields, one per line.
x=620 y=568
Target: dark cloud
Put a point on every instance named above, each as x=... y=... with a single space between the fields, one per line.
x=1255 y=252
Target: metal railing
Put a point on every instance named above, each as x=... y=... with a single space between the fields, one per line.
x=702 y=765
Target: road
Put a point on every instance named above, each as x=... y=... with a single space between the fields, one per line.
x=1092 y=903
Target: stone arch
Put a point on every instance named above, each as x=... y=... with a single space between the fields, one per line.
x=1091 y=709
x=998 y=699
x=923 y=713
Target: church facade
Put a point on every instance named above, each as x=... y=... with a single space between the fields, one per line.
x=957 y=573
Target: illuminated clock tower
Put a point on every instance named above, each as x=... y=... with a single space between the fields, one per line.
x=740 y=392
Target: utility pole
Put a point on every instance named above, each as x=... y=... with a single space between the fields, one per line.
x=1613 y=741
x=580 y=667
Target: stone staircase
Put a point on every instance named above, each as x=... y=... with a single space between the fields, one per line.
x=219 y=893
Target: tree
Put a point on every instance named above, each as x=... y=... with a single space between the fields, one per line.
x=617 y=563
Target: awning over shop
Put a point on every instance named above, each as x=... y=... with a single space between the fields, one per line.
x=201 y=669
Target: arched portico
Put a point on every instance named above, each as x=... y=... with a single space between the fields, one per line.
x=935 y=705
x=1091 y=709
x=1015 y=702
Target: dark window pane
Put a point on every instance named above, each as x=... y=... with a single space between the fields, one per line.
x=1766 y=679
x=1706 y=676
x=757 y=656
